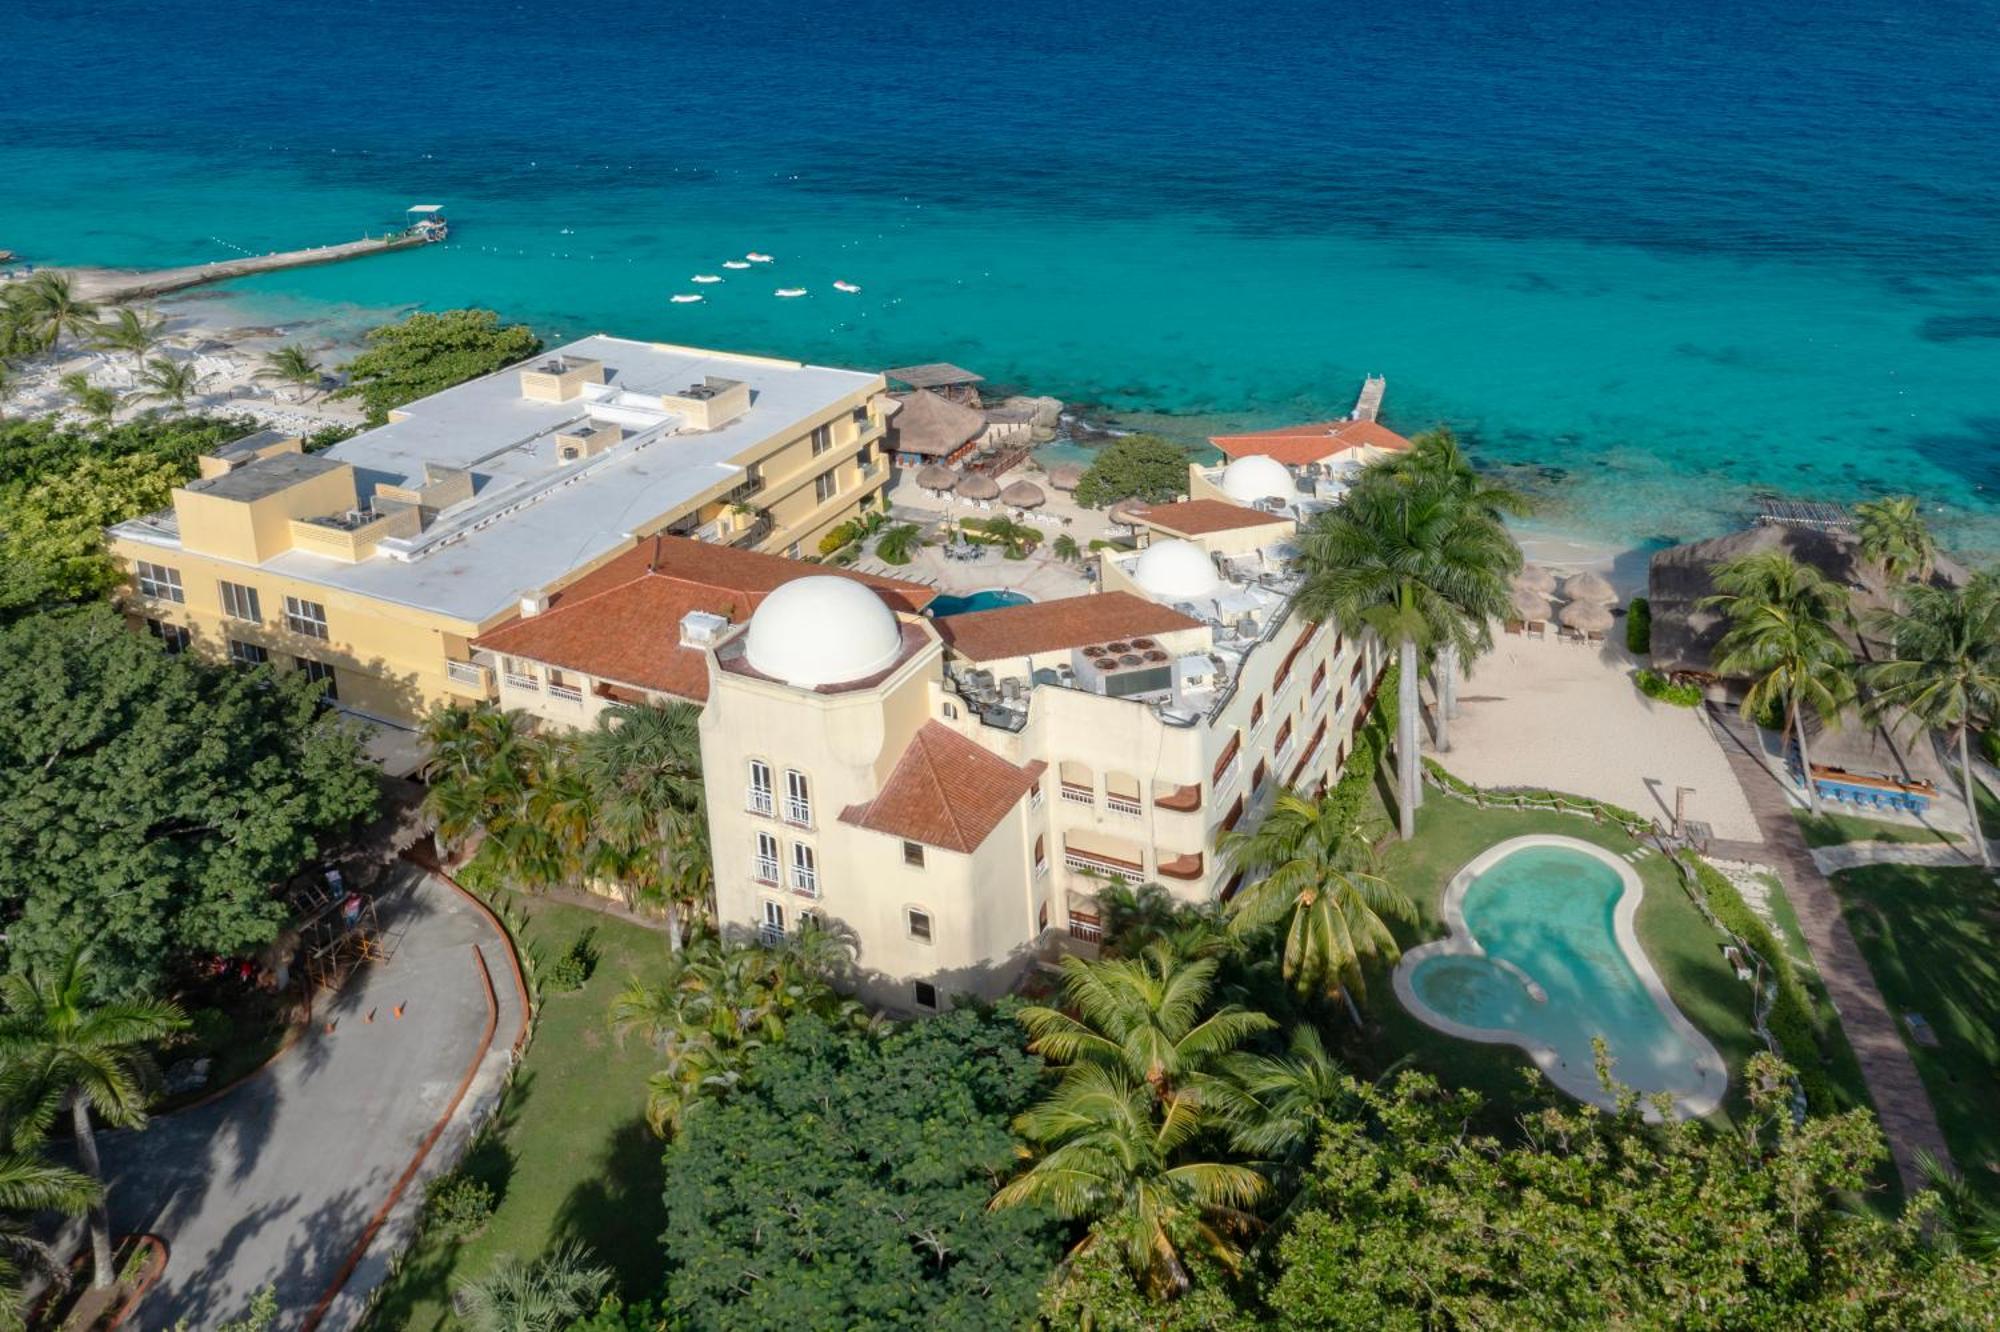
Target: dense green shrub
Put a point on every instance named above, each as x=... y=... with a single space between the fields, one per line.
x=456 y=1206
x=1654 y=685
x=838 y=536
x=1790 y=1018
x=1144 y=467
x=569 y=971
x=430 y=352
x=1639 y=627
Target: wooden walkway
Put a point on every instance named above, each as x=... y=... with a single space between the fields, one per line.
x=115 y=286
x=1901 y=1103
x=1369 y=405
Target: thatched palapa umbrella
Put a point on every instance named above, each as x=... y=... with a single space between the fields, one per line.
x=1126 y=511
x=936 y=476
x=1592 y=617
x=1534 y=578
x=1530 y=605
x=978 y=486
x=1587 y=586
x=1024 y=495
x=1065 y=476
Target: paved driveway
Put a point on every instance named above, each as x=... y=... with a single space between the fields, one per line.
x=275 y=1182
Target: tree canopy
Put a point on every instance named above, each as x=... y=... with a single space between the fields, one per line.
x=153 y=802
x=1143 y=467
x=844 y=1184
x=428 y=352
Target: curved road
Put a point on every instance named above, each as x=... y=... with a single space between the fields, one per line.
x=273 y=1183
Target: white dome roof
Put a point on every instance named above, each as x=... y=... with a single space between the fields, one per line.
x=822 y=630
x=1257 y=477
x=1177 y=569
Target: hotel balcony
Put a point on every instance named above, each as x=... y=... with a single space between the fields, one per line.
x=1103 y=866
x=1178 y=799
x=1187 y=866
x=469 y=678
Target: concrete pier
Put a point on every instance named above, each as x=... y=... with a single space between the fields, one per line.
x=1369 y=405
x=115 y=285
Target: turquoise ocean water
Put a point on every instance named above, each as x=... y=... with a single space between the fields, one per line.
x=1650 y=261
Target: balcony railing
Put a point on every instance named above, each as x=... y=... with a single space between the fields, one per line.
x=1228 y=774
x=771 y=936
x=805 y=881
x=567 y=693
x=469 y=673
x=798 y=812
x=1088 y=929
x=1084 y=862
x=758 y=800
x=515 y=680
x=766 y=871
x=1079 y=795
x=1119 y=804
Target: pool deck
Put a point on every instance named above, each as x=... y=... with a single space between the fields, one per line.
x=1581 y=1083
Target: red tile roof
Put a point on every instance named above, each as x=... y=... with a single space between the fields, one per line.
x=1316 y=442
x=1202 y=516
x=945 y=791
x=622 y=621
x=1050 y=626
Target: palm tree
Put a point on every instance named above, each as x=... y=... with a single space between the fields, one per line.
x=1783 y=636
x=1437 y=459
x=1142 y=1016
x=1896 y=538
x=643 y=762
x=60 y=1049
x=50 y=309
x=97 y=402
x=1943 y=673
x=28 y=1186
x=1064 y=548
x=1971 y=1223
x=134 y=331
x=896 y=543
x=1115 y=1155
x=1300 y=864
x=1275 y=1103
x=292 y=364
x=545 y=1295
x=478 y=763
x=169 y=381
x=1405 y=557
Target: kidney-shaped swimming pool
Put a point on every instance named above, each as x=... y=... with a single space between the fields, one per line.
x=1543 y=954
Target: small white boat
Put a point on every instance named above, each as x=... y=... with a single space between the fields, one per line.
x=757 y=258
x=705 y=278
x=735 y=263
x=845 y=286
x=789 y=292
x=686 y=298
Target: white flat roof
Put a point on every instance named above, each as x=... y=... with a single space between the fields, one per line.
x=533 y=520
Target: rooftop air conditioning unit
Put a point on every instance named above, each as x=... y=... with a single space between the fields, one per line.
x=699 y=392
x=534 y=603
x=703 y=629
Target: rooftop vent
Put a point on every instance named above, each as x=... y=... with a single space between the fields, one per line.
x=703 y=629
x=700 y=392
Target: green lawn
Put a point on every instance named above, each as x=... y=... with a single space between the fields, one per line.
x=573 y=1156
x=1832 y=829
x=1684 y=948
x=1843 y=1070
x=1929 y=937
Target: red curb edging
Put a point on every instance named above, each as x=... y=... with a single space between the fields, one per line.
x=381 y=1215
x=155 y=1271
x=424 y=859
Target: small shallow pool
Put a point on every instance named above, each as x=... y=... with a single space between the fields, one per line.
x=993 y=598
x=1543 y=954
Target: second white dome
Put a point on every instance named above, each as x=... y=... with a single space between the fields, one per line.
x=1257 y=477
x=1175 y=569
x=822 y=630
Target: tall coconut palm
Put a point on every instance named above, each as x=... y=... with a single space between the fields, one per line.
x=96 y=401
x=1405 y=557
x=169 y=381
x=51 y=310
x=1437 y=459
x=1302 y=864
x=1943 y=674
x=545 y=1295
x=29 y=1186
x=1895 y=538
x=129 y=330
x=292 y=364
x=1784 y=637
x=1117 y=1155
x=63 y=1049
x=478 y=763
x=643 y=762
x=1274 y=1103
x=1145 y=1017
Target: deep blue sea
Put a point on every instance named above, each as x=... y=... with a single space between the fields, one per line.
x=1651 y=258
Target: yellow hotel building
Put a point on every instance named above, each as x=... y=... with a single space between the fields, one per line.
x=375 y=563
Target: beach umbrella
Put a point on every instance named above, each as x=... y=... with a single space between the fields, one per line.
x=1534 y=578
x=978 y=486
x=933 y=476
x=1127 y=511
x=1587 y=586
x=1530 y=605
x=1065 y=476
x=1024 y=495
x=1593 y=617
